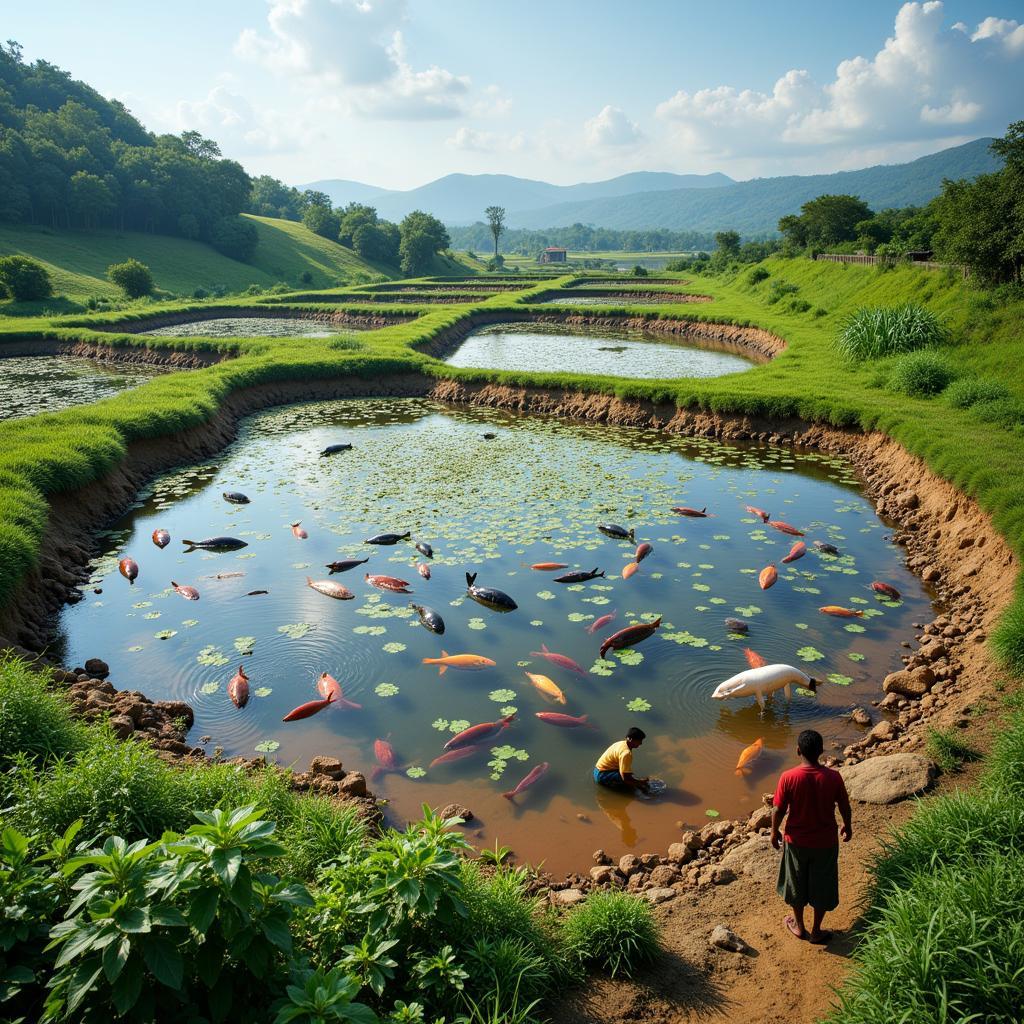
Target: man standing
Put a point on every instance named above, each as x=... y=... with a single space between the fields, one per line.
x=614 y=767
x=809 y=873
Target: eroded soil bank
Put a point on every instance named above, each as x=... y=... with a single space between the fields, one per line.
x=190 y=359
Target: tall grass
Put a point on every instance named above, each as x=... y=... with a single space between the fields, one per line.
x=949 y=750
x=876 y=332
x=613 y=931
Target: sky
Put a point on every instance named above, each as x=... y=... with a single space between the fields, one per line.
x=396 y=93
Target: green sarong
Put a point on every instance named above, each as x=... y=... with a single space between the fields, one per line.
x=809 y=877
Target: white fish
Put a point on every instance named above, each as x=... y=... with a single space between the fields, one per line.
x=760 y=682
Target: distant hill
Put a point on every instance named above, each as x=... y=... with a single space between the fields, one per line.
x=462 y=198
x=754 y=207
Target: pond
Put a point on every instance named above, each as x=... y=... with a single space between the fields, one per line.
x=34 y=384
x=552 y=348
x=575 y=298
x=534 y=493
x=252 y=327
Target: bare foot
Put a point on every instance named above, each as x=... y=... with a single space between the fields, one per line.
x=796 y=929
x=820 y=938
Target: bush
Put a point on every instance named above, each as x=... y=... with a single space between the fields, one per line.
x=778 y=289
x=235 y=237
x=200 y=293
x=26 y=280
x=876 y=332
x=968 y=391
x=132 y=277
x=639 y=271
x=1004 y=412
x=920 y=374
x=306 y=277
x=613 y=931
x=757 y=274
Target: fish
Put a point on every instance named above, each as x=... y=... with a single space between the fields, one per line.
x=256 y=593
x=388 y=583
x=601 y=622
x=778 y=524
x=528 y=781
x=298 y=532
x=564 y=721
x=329 y=687
x=488 y=436
x=748 y=756
x=387 y=538
x=330 y=589
x=549 y=566
x=798 y=550
x=488 y=596
x=335 y=449
x=161 y=538
x=129 y=569
x=311 y=707
x=424 y=549
x=736 y=625
x=767 y=577
x=457 y=754
x=424 y=570
x=225 y=576
x=479 y=733
x=614 y=530
x=840 y=612
x=217 y=544
x=546 y=686
x=429 y=618
x=387 y=759
x=886 y=590
x=561 y=660
x=580 y=576
x=628 y=569
x=764 y=680
x=630 y=636
x=238 y=688
x=828 y=549
x=471 y=662
x=642 y=551
x=754 y=660
x=693 y=513
x=345 y=564
x=235 y=497
x=759 y=512
x=187 y=592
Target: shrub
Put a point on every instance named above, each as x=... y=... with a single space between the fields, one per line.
x=26 y=280
x=757 y=274
x=235 y=237
x=132 y=277
x=639 y=271
x=968 y=391
x=778 y=289
x=799 y=305
x=318 y=833
x=306 y=277
x=200 y=293
x=920 y=374
x=948 y=750
x=613 y=931
x=1004 y=412
x=875 y=332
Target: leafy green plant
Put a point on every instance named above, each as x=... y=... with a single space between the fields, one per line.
x=368 y=961
x=779 y=289
x=757 y=274
x=948 y=750
x=968 y=391
x=132 y=277
x=440 y=973
x=498 y=855
x=25 y=279
x=323 y=997
x=875 y=332
x=613 y=931
x=920 y=374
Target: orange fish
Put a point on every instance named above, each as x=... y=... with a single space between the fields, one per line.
x=629 y=569
x=549 y=566
x=187 y=592
x=769 y=574
x=298 y=532
x=759 y=512
x=798 y=550
x=642 y=551
x=479 y=733
x=782 y=527
x=129 y=569
x=748 y=756
x=463 y=661
x=387 y=583
x=387 y=759
x=840 y=612
x=754 y=660
x=311 y=707
x=546 y=686
x=238 y=688
x=329 y=687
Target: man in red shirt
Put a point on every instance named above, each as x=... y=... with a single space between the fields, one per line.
x=809 y=873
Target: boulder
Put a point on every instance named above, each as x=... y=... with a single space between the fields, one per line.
x=889 y=779
x=692 y=840
x=860 y=717
x=760 y=818
x=726 y=938
x=600 y=857
x=329 y=766
x=354 y=784
x=664 y=875
x=754 y=858
x=912 y=682
x=97 y=668
x=629 y=864
x=680 y=853
x=604 y=874
x=567 y=897
x=882 y=732
x=457 y=811
x=122 y=726
x=659 y=894
x=175 y=709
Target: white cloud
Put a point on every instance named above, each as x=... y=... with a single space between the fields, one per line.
x=470 y=140
x=611 y=127
x=1010 y=32
x=230 y=120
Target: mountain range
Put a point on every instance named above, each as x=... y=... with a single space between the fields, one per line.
x=678 y=202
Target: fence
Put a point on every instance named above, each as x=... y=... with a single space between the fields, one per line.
x=892 y=261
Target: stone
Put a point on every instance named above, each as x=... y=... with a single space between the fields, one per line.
x=600 y=857
x=882 y=732
x=680 y=853
x=457 y=811
x=721 y=875
x=663 y=875
x=692 y=840
x=931 y=574
x=98 y=668
x=754 y=858
x=726 y=938
x=604 y=874
x=912 y=682
x=329 y=766
x=629 y=864
x=175 y=709
x=860 y=717
x=354 y=784
x=567 y=897
x=760 y=818
x=649 y=860
x=122 y=726
x=659 y=894
x=934 y=651
x=715 y=830
x=908 y=500
x=889 y=779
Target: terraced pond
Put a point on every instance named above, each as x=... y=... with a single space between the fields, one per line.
x=35 y=384
x=552 y=348
x=534 y=493
x=252 y=327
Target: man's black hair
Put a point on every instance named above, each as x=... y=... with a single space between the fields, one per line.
x=810 y=744
x=637 y=734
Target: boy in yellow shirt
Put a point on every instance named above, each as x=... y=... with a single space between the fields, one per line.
x=614 y=767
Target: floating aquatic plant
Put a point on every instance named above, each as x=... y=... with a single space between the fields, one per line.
x=414 y=771
x=263 y=691
x=267 y=747
x=209 y=688
x=165 y=634
x=295 y=630
x=385 y=689
x=245 y=644
x=638 y=704
x=394 y=647
x=809 y=654
x=501 y=695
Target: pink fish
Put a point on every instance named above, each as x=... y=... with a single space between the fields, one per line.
x=527 y=782
x=187 y=592
x=424 y=570
x=782 y=527
x=329 y=687
x=601 y=622
x=387 y=759
x=561 y=660
x=298 y=532
x=238 y=688
x=565 y=721
x=457 y=754
x=311 y=707
x=642 y=551
x=479 y=733
x=387 y=583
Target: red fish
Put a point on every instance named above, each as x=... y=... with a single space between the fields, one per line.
x=129 y=569
x=187 y=592
x=642 y=551
x=238 y=688
x=161 y=538
x=561 y=660
x=693 y=513
x=527 y=782
x=754 y=660
x=759 y=512
x=387 y=759
x=298 y=532
x=330 y=688
x=457 y=754
x=601 y=622
x=565 y=721
x=388 y=583
x=424 y=570
x=549 y=566
x=630 y=636
x=767 y=577
x=782 y=527
x=798 y=550
x=311 y=707
x=629 y=569
x=886 y=590
x=479 y=733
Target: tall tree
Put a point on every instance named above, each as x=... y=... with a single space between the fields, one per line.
x=496 y=222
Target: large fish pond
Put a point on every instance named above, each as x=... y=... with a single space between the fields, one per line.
x=534 y=493
x=252 y=327
x=553 y=348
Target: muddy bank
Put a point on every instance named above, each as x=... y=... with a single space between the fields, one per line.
x=337 y=318
x=183 y=359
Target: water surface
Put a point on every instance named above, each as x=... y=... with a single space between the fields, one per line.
x=252 y=327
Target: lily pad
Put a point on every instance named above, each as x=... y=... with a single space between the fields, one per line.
x=295 y=630
x=853 y=627
x=476 y=623
x=629 y=657
x=385 y=689
x=263 y=691
x=639 y=704
x=498 y=696
x=148 y=615
x=838 y=679
x=267 y=746
x=213 y=656
x=394 y=647
x=245 y=644
x=809 y=654
x=712 y=813
x=458 y=724
x=509 y=709
x=165 y=634
x=855 y=656
x=439 y=723
x=209 y=688
x=414 y=771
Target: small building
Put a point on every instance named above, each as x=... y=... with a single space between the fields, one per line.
x=552 y=254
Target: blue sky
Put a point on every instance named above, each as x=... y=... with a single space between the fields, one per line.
x=397 y=92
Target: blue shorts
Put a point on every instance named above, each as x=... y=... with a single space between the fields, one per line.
x=611 y=778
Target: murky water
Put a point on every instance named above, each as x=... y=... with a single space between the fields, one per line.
x=253 y=327
x=624 y=299
x=535 y=493
x=34 y=384
x=549 y=348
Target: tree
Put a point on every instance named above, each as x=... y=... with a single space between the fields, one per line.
x=90 y=199
x=728 y=243
x=132 y=277
x=321 y=220
x=235 y=237
x=422 y=236
x=496 y=222
x=26 y=279
x=826 y=221
x=197 y=146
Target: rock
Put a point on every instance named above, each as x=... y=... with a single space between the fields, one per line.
x=97 y=667
x=664 y=875
x=725 y=938
x=567 y=897
x=329 y=766
x=721 y=875
x=354 y=784
x=692 y=840
x=881 y=733
x=913 y=682
x=457 y=811
x=931 y=574
x=889 y=779
x=754 y=858
x=649 y=860
x=860 y=717
x=175 y=709
x=933 y=651
x=715 y=830
x=908 y=500
x=600 y=857
x=61 y=675
x=760 y=818
x=604 y=874
x=680 y=853
x=122 y=726
x=659 y=894
x=629 y=864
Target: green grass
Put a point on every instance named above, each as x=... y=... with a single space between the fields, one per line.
x=920 y=374
x=613 y=931
x=949 y=750
x=873 y=332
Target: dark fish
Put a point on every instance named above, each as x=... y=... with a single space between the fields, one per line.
x=736 y=626
x=216 y=544
x=488 y=596
x=344 y=566
x=579 y=576
x=630 y=636
x=236 y=498
x=424 y=549
x=255 y=593
x=386 y=538
x=489 y=437
x=334 y=449
x=829 y=549
x=614 y=530
x=129 y=569
x=429 y=618
x=693 y=513
x=161 y=538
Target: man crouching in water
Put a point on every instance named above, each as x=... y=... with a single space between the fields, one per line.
x=809 y=872
x=614 y=767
